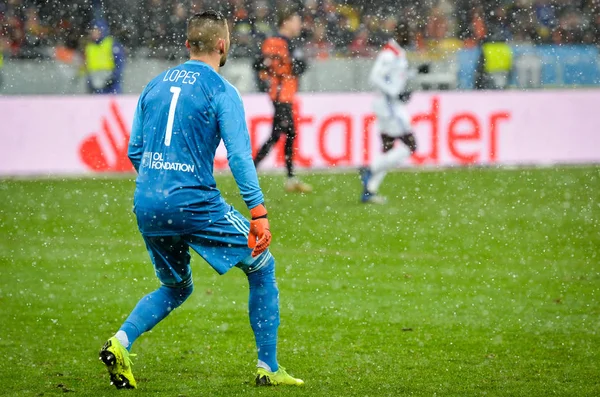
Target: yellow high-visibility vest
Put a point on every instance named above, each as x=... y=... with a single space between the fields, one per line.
x=498 y=57
x=99 y=57
x=1 y=59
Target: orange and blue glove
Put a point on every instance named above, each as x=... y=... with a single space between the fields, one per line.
x=259 y=237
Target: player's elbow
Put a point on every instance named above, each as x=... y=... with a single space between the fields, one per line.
x=236 y=161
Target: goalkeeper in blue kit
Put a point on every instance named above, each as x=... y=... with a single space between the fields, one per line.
x=181 y=117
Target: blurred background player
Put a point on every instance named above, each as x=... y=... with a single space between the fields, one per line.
x=104 y=60
x=390 y=76
x=181 y=117
x=282 y=64
x=495 y=64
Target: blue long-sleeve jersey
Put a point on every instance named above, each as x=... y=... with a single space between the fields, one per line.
x=180 y=119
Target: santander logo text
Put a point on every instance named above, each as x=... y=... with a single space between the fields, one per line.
x=75 y=135
x=337 y=131
x=461 y=137
x=327 y=136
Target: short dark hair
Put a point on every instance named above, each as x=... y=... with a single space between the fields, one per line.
x=286 y=13
x=204 y=29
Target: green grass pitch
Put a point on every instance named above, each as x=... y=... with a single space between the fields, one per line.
x=469 y=282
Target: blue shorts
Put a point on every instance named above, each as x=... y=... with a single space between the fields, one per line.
x=223 y=244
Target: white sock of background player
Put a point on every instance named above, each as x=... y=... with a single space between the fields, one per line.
x=382 y=164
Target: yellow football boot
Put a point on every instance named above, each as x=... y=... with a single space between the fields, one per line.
x=280 y=377
x=116 y=358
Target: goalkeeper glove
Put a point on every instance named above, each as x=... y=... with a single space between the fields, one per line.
x=259 y=237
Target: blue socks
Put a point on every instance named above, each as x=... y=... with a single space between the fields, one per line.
x=263 y=307
x=152 y=308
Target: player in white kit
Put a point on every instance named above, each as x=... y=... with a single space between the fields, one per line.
x=390 y=76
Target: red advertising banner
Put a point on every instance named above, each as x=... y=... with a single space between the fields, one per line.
x=77 y=135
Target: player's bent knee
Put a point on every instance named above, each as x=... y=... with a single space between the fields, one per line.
x=178 y=294
x=262 y=279
x=266 y=267
x=413 y=146
x=291 y=133
x=387 y=142
x=410 y=141
x=253 y=264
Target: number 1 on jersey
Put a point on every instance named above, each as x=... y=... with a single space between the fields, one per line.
x=171 y=119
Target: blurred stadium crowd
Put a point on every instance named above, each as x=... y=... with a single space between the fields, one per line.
x=333 y=28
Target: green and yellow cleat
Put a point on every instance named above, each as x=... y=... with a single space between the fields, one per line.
x=116 y=358
x=280 y=377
